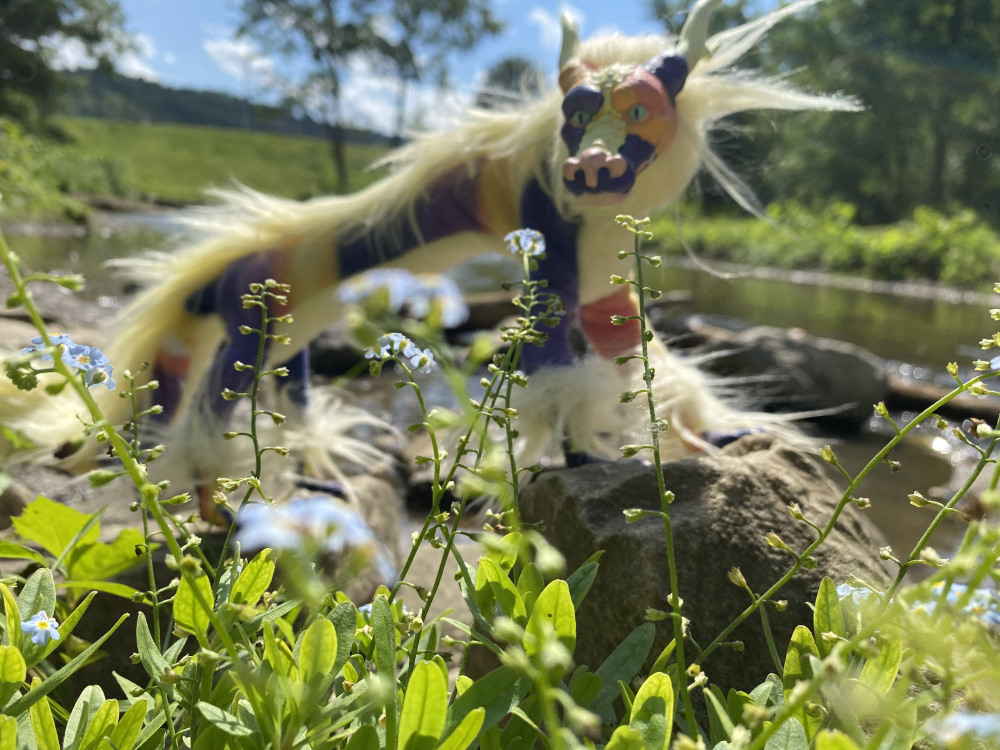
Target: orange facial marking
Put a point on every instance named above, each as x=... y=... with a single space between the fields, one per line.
x=645 y=105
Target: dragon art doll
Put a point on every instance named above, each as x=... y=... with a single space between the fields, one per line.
x=625 y=133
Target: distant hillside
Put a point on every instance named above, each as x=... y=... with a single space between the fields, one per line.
x=94 y=94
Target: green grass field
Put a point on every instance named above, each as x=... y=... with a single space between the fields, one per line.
x=178 y=162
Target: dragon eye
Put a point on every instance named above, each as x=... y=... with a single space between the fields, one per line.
x=580 y=118
x=637 y=113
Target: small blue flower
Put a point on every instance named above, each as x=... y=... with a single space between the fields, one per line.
x=390 y=345
x=422 y=360
x=525 y=242
x=95 y=365
x=415 y=295
x=952 y=728
x=317 y=522
x=42 y=628
x=61 y=341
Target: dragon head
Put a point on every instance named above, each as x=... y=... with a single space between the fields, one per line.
x=619 y=118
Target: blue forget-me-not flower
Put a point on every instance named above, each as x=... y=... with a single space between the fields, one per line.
x=42 y=628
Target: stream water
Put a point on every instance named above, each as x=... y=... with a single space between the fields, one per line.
x=914 y=326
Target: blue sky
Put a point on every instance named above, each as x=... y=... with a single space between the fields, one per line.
x=192 y=43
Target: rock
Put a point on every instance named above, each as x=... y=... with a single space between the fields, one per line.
x=725 y=505
x=800 y=372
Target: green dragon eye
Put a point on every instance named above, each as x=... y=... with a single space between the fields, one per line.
x=637 y=113
x=580 y=118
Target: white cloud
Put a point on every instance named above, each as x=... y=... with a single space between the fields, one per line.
x=71 y=54
x=169 y=58
x=549 y=25
x=241 y=59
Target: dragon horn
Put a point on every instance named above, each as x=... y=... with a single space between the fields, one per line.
x=691 y=45
x=570 y=40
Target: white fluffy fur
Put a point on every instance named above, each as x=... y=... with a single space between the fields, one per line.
x=520 y=143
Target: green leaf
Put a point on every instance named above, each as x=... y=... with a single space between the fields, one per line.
x=466 y=732
x=498 y=692
x=789 y=736
x=505 y=552
x=86 y=706
x=365 y=738
x=580 y=582
x=827 y=616
x=11 y=633
x=584 y=686
x=424 y=708
x=879 y=672
x=100 y=561
x=102 y=724
x=13 y=671
x=189 y=614
x=108 y=587
x=720 y=725
x=797 y=667
x=53 y=526
x=149 y=653
x=530 y=584
x=504 y=591
x=15 y=551
x=8 y=733
x=625 y=738
x=223 y=720
x=834 y=739
x=770 y=692
x=38 y=593
x=344 y=618
x=384 y=635
x=254 y=579
x=554 y=608
x=318 y=652
x=623 y=664
x=652 y=713
x=42 y=724
x=34 y=654
x=129 y=726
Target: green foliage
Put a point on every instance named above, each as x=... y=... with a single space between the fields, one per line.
x=957 y=247
x=256 y=660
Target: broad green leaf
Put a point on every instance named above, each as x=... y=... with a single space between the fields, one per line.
x=8 y=733
x=102 y=724
x=52 y=525
x=85 y=708
x=505 y=552
x=37 y=594
x=466 y=732
x=827 y=616
x=277 y=653
x=770 y=692
x=424 y=708
x=254 y=579
x=554 y=608
x=223 y=720
x=879 y=672
x=504 y=591
x=42 y=724
x=498 y=692
x=581 y=580
x=319 y=651
x=652 y=713
x=625 y=738
x=15 y=551
x=584 y=686
x=797 y=666
x=530 y=584
x=149 y=653
x=344 y=618
x=789 y=736
x=834 y=739
x=101 y=561
x=365 y=738
x=12 y=615
x=13 y=671
x=719 y=724
x=384 y=635
x=129 y=726
x=189 y=614
x=623 y=664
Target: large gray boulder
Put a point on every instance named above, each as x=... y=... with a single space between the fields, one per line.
x=725 y=505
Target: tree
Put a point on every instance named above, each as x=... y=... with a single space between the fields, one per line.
x=421 y=34
x=324 y=34
x=507 y=81
x=30 y=32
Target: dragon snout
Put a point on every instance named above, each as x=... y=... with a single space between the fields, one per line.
x=590 y=163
